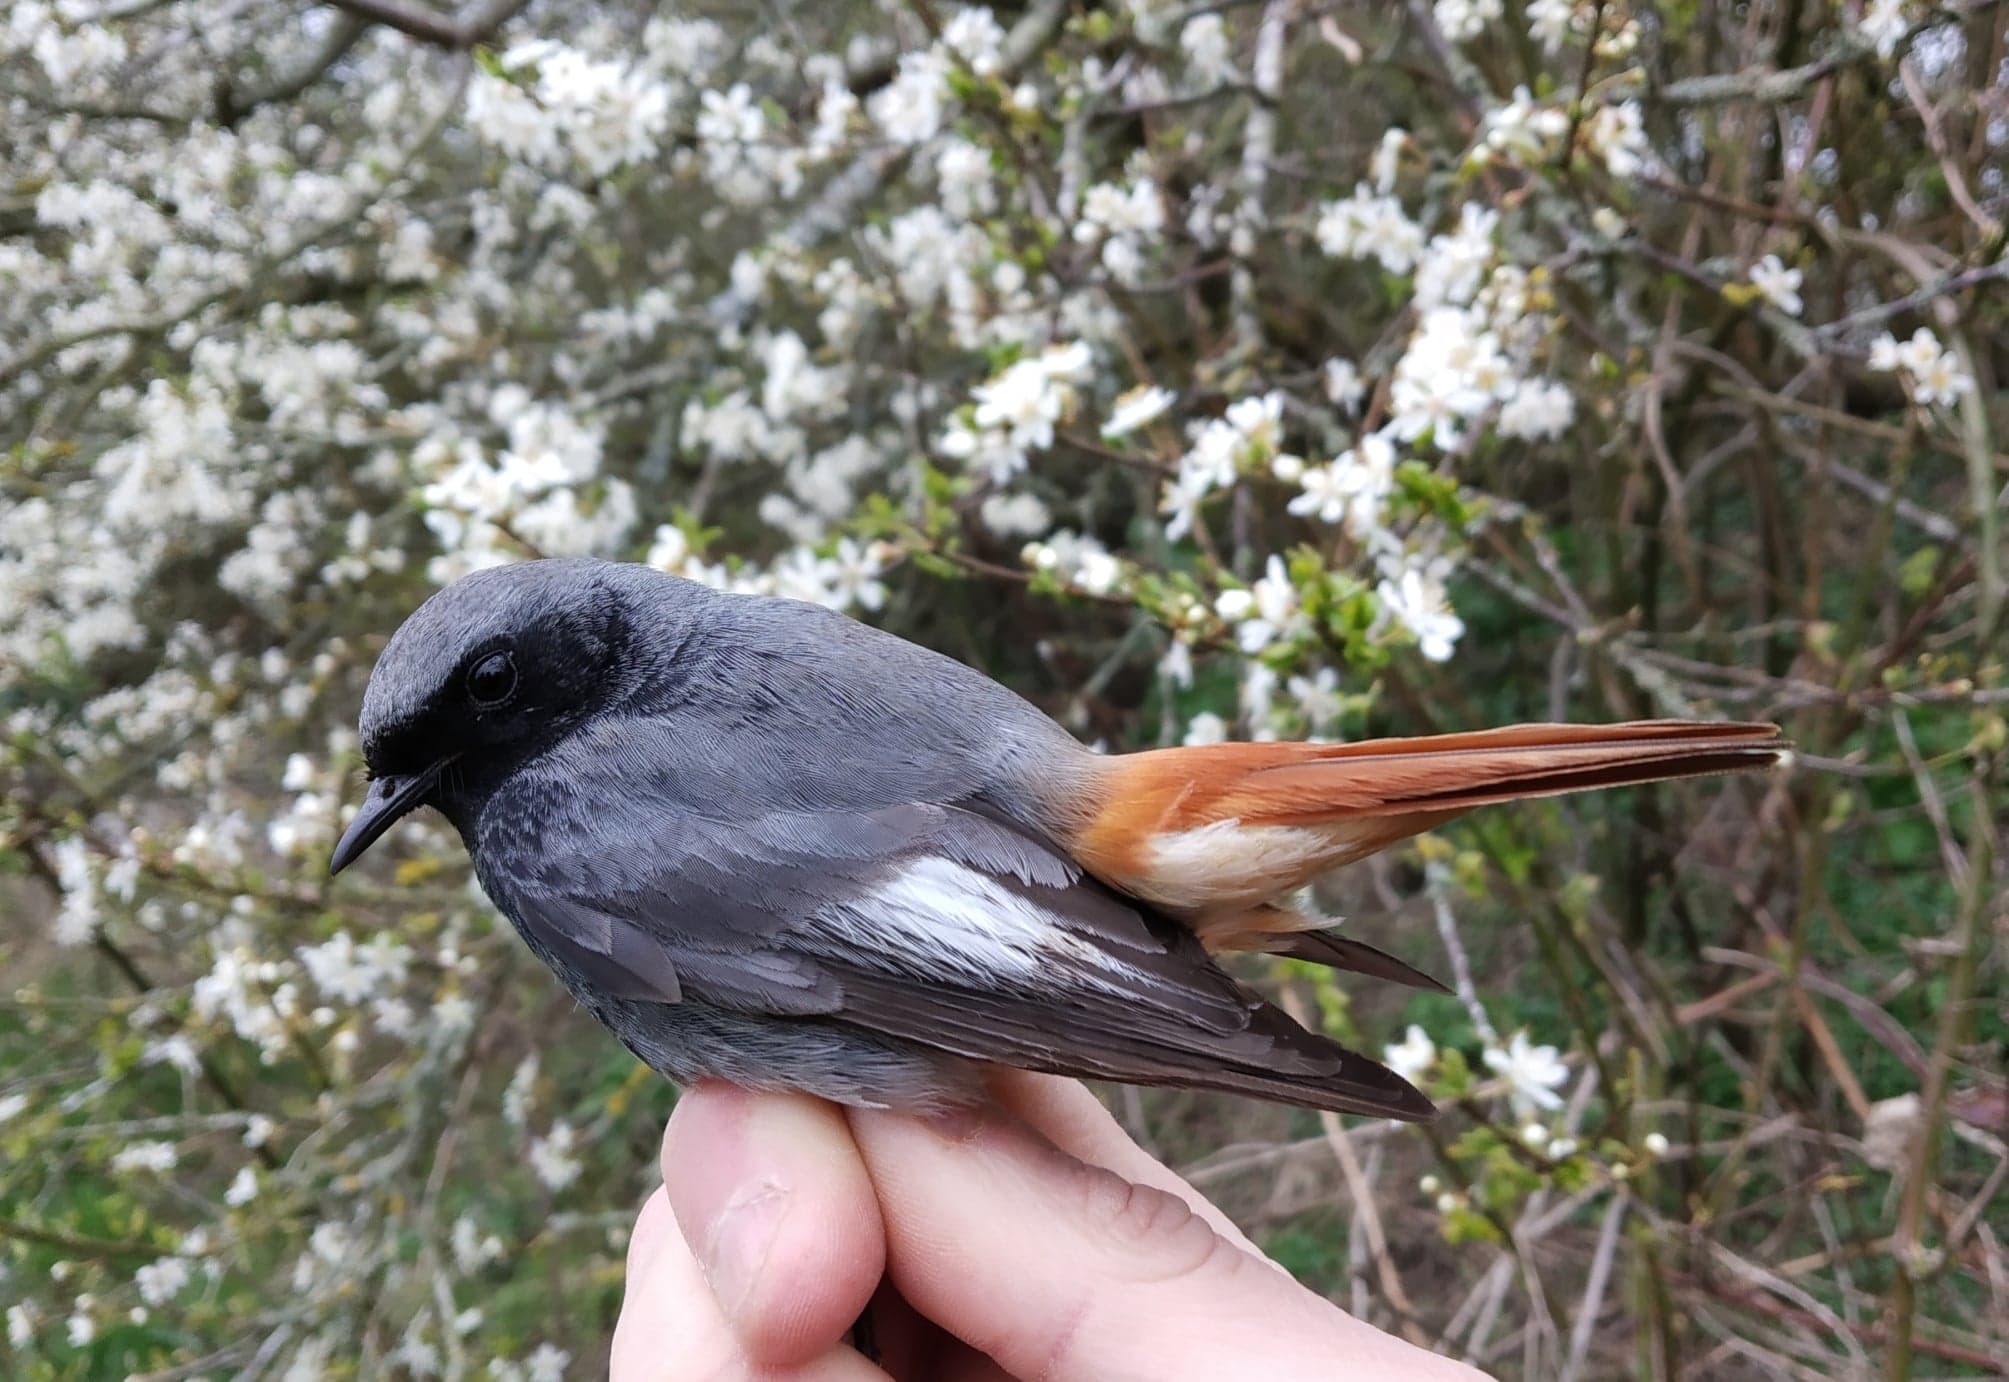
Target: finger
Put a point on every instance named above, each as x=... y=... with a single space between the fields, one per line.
x=1065 y=1271
x=770 y=1194
x=671 y=1328
x=666 y=1301
x=1074 y=1120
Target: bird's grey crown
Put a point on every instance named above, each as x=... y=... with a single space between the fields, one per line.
x=481 y=609
x=564 y=620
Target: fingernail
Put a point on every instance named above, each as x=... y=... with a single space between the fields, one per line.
x=739 y=1240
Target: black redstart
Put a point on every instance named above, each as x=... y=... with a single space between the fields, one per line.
x=765 y=843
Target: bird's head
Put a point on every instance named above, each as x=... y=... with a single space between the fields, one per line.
x=484 y=675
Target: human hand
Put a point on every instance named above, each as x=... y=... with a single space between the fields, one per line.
x=1034 y=1240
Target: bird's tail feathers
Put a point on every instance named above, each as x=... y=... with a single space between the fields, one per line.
x=1224 y=827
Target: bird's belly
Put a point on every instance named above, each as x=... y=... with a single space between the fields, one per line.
x=691 y=1041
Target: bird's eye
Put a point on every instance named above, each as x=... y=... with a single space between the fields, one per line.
x=490 y=680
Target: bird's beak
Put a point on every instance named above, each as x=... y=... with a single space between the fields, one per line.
x=389 y=799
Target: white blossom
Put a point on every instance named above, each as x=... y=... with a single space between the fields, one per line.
x=175 y=1050
x=77 y=917
x=1263 y=613
x=855 y=569
x=1080 y=561
x=1891 y=1128
x=1551 y=22
x=1414 y=596
x=161 y=1280
x=1353 y=488
x=1533 y=1073
x=1210 y=59
x=1412 y=1057
x=1884 y=23
x=1029 y=397
x=963 y=173
x=547 y=1363
x=1015 y=515
x=910 y=109
x=1943 y=380
x=553 y=1159
x=352 y=973
x=1110 y=208
x=471 y=1249
x=1617 y=134
x=1205 y=728
x=156 y=1156
x=1343 y=385
x=1524 y=132
x=1779 y=285
x=1934 y=373
x=1538 y=410
x=1139 y=407
x=1453 y=370
x=1370 y=225
x=1462 y=20
x=1317 y=698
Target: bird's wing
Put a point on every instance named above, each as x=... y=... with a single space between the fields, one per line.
x=935 y=924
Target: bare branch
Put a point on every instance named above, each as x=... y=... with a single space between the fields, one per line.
x=460 y=32
x=233 y=106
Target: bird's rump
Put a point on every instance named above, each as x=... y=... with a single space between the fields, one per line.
x=936 y=925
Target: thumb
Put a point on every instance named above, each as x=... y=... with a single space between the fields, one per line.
x=1063 y=1271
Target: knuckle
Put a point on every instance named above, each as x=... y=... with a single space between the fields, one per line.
x=1158 y=1232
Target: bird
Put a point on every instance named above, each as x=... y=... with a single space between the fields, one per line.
x=763 y=842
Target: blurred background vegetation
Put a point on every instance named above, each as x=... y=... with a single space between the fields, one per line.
x=1683 y=328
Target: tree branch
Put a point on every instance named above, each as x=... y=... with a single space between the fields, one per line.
x=232 y=106
x=459 y=32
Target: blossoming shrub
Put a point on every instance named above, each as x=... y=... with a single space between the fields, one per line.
x=1206 y=371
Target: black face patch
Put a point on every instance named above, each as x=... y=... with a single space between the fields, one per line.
x=492 y=667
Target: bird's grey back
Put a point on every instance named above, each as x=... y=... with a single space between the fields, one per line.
x=743 y=706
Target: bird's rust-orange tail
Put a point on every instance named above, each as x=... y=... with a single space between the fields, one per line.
x=1216 y=833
